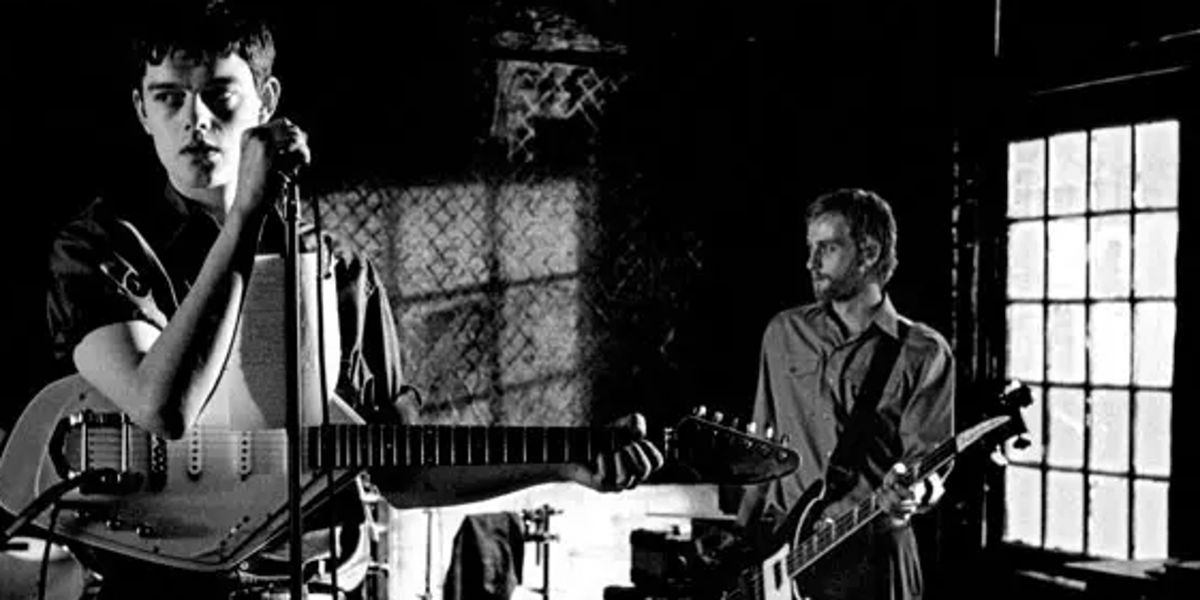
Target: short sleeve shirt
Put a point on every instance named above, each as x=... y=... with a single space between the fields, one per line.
x=136 y=258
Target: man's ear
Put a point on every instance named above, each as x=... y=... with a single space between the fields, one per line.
x=139 y=107
x=868 y=253
x=268 y=92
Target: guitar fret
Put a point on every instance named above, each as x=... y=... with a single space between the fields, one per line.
x=412 y=441
x=376 y=446
x=342 y=451
x=476 y=446
x=360 y=455
x=393 y=456
x=554 y=445
x=316 y=449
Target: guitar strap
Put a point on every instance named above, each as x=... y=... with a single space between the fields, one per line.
x=851 y=447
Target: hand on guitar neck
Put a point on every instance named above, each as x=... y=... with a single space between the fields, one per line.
x=901 y=497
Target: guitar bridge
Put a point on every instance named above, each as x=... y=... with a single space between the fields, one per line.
x=119 y=458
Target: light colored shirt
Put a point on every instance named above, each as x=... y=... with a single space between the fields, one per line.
x=811 y=372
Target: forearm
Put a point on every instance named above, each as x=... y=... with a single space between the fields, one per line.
x=162 y=379
x=185 y=362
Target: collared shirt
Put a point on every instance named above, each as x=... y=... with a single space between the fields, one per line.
x=810 y=375
x=136 y=257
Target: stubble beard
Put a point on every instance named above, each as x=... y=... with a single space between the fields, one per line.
x=837 y=289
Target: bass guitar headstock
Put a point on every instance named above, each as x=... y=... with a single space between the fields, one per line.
x=1003 y=422
x=703 y=448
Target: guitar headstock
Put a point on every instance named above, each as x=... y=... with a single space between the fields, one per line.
x=705 y=449
x=1003 y=421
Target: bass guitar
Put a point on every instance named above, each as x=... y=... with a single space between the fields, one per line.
x=812 y=537
x=212 y=499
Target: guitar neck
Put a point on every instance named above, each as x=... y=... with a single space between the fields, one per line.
x=353 y=446
x=831 y=533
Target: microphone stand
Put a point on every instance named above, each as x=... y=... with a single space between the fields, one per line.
x=291 y=251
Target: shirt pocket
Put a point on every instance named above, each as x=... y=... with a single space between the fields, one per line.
x=802 y=366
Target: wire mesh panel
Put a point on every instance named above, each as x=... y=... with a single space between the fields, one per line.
x=536 y=279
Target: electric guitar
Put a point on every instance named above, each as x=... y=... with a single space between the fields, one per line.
x=812 y=537
x=212 y=499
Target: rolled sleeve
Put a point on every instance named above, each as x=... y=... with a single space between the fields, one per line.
x=93 y=285
x=928 y=417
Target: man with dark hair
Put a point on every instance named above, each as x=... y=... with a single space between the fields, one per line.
x=813 y=370
x=146 y=290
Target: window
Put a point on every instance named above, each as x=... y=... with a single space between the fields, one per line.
x=1092 y=233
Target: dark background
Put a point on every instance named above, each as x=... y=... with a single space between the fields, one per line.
x=740 y=113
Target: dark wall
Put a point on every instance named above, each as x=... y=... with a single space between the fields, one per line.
x=741 y=113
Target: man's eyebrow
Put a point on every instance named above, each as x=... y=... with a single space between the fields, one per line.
x=155 y=86
x=215 y=82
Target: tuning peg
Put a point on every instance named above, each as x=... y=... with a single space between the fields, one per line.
x=751 y=427
x=769 y=433
x=700 y=411
x=718 y=416
x=784 y=439
x=998 y=457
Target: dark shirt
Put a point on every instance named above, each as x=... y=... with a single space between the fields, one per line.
x=136 y=258
x=810 y=374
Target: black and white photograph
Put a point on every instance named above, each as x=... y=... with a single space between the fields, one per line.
x=599 y=300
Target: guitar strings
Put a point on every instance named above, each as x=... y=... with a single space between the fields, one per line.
x=807 y=550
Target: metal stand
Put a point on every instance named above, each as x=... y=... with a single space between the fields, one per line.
x=537 y=530
x=291 y=255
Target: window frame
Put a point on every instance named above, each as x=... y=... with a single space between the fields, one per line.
x=1148 y=96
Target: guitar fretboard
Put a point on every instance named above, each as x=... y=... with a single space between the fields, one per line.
x=826 y=535
x=350 y=446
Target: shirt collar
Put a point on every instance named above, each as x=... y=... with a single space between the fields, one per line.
x=886 y=318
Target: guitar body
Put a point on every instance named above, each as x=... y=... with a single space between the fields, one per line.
x=205 y=502
x=806 y=535
x=775 y=581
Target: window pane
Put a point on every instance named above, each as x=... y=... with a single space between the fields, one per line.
x=1157 y=164
x=1149 y=519
x=1064 y=511
x=1108 y=530
x=1156 y=236
x=1023 y=505
x=1109 y=446
x=1112 y=155
x=1032 y=415
x=1109 y=343
x=1108 y=252
x=1068 y=255
x=1064 y=448
x=1154 y=339
x=1068 y=174
x=1025 y=336
x=1065 y=340
x=1152 y=426
x=1026 y=260
x=1026 y=178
